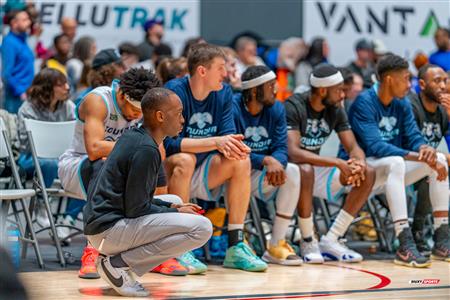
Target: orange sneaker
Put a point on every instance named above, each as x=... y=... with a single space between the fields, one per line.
x=88 y=269
x=171 y=267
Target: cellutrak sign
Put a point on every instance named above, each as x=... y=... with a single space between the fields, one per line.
x=113 y=22
x=404 y=26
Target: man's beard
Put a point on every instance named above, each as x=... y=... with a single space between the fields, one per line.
x=432 y=96
x=327 y=103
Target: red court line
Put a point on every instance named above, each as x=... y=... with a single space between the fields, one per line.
x=384 y=281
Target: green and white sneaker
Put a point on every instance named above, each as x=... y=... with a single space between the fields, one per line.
x=240 y=256
x=194 y=266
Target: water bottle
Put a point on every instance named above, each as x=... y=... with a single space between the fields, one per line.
x=14 y=245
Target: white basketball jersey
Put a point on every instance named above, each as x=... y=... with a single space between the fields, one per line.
x=115 y=124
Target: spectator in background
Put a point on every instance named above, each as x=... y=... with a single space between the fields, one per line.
x=106 y=66
x=171 y=68
x=129 y=54
x=363 y=65
x=159 y=53
x=419 y=61
x=290 y=52
x=154 y=32
x=47 y=101
x=232 y=77
x=58 y=61
x=83 y=52
x=247 y=55
x=69 y=28
x=379 y=50
x=441 y=57
x=318 y=53
x=191 y=42
x=17 y=60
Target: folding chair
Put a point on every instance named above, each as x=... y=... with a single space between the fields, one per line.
x=49 y=140
x=10 y=196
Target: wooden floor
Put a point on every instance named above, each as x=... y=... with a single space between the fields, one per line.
x=367 y=280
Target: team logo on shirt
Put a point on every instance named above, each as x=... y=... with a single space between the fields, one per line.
x=317 y=132
x=112 y=134
x=201 y=119
x=257 y=138
x=203 y=122
x=256 y=133
x=432 y=133
x=387 y=128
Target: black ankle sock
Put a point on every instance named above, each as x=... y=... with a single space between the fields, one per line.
x=117 y=261
x=235 y=236
x=308 y=239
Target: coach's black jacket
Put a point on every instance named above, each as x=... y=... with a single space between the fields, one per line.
x=126 y=183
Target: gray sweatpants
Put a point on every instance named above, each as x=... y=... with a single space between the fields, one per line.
x=148 y=241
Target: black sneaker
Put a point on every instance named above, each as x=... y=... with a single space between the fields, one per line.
x=120 y=279
x=407 y=254
x=441 y=248
x=421 y=243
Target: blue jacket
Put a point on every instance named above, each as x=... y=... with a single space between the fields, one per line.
x=384 y=131
x=442 y=59
x=210 y=117
x=18 y=63
x=265 y=134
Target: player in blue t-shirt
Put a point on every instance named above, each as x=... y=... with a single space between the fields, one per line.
x=262 y=121
x=385 y=127
x=208 y=153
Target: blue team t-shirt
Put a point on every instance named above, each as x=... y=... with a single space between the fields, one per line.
x=265 y=133
x=203 y=118
x=384 y=130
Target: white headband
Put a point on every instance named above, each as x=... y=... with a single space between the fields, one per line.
x=258 y=80
x=326 y=81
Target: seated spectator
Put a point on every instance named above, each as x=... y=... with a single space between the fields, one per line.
x=62 y=50
x=441 y=56
x=231 y=60
x=83 y=52
x=318 y=52
x=247 y=54
x=47 y=101
x=171 y=68
x=154 y=33
x=129 y=55
x=363 y=65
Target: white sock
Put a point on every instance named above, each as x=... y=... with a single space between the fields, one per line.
x=279 y=229
x=340 y=225
x=438 y=221
x=235 y=227
x=306 y=226
x=400 y=225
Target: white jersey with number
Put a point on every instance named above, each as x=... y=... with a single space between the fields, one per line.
x=115 y=125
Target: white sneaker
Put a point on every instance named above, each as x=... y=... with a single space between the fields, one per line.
x=63 y=232
x=41 y=215
x=120 y=279
x=311 y=252
x=337 y=250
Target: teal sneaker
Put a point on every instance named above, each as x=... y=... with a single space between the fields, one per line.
x=194 y=266
x=242 y=257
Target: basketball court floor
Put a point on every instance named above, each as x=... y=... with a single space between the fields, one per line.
x=374 y=279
